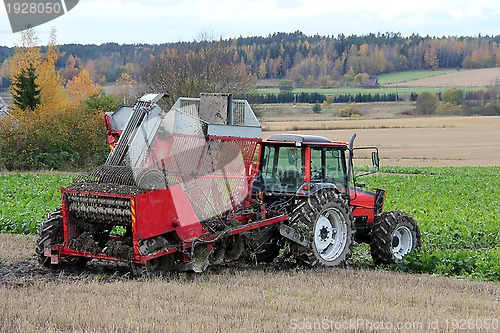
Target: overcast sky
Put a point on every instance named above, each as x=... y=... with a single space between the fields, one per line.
x=159 y=21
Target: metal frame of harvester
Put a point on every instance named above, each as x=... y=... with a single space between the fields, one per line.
x=197 y=185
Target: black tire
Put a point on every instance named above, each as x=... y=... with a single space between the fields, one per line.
x=50 y=233
x=268 y=251
x=156 y=267
x=394 y=234
x=330 y=228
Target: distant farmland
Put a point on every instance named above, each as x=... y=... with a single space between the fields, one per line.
x=464 y=78
x=405 y=83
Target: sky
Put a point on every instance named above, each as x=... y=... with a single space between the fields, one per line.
x=160 y=21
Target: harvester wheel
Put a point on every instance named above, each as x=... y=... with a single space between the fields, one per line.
x=330 y=225
x=160 y=266
x=394 y=234
x=50 y=233
x=267 y=251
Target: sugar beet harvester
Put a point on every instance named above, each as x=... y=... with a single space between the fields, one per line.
x=197 y=186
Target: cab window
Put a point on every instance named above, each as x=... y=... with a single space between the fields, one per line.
x=281 y=168
x=328 y=165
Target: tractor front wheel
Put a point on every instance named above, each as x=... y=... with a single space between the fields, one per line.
x=394 y=234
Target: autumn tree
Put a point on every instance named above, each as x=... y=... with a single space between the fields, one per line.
x=26 y=54
x=262 y=73
x=359 y=79
x=431 y=56
x=80 y=88
x=348 y=77
x=427 y=103
x=71 y=69
x=454 y=96
x=52 y=93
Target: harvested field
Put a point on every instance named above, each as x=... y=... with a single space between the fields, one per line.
x=464 y=78
x=430 y=141
x=240 y=298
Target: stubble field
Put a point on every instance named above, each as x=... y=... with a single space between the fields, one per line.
x=247 y=298
x=430 y=141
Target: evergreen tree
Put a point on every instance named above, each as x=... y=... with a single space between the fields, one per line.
x=317 y=107
x=25 y=91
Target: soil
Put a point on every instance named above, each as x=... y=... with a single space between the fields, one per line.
x=25 y=267
x=31 y=270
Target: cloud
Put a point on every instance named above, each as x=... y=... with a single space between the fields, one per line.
x=467 y=13
x=158 y=21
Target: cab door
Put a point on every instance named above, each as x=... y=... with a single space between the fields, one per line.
x=328 y=165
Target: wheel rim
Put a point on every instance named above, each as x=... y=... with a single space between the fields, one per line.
x=402 y=241
x=330 y=234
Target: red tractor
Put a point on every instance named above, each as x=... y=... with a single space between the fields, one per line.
x=197 y=186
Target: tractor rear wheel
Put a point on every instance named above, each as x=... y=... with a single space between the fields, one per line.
x=330 y=225
x=394 y=234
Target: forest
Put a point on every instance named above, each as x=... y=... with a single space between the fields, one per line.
x=307 y=60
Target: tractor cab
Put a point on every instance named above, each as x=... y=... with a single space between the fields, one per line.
x=293 y=164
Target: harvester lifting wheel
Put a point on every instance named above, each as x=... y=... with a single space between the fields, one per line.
x=51 y=233
x=394 y=235
x=160 y=266
x=330 y=228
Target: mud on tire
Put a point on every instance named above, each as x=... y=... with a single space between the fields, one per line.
x=50 y=233
x=330 y=228
x=394 y=234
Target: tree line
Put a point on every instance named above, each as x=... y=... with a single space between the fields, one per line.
x=307 y=60
x=303 y=97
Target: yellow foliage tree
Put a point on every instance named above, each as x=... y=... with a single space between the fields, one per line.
x=80 y=88
x=49 y=80
x=28 y=52
x=262 y=70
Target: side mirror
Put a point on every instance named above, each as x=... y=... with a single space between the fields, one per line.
x=375 y=160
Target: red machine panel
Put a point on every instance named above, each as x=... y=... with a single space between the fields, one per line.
x=165 y=210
